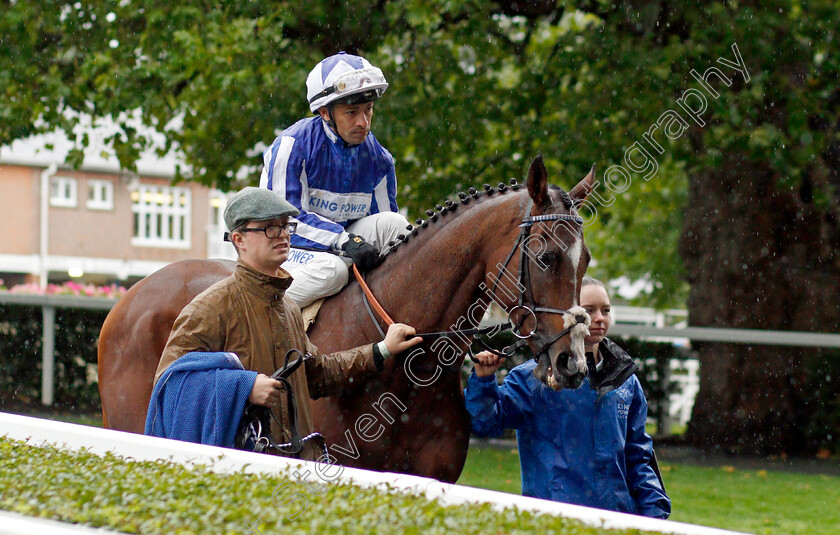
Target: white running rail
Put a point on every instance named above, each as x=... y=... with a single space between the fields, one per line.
x=142 y=448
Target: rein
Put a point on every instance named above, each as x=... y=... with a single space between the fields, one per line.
x=370 y=301
x=514 y=327
x=254 y=428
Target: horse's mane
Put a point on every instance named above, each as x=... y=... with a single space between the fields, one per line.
x=465 y=198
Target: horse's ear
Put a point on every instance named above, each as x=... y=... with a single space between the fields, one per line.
x=538 y=182
x=583 y=188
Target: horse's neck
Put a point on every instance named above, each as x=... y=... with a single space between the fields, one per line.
x=433 y=280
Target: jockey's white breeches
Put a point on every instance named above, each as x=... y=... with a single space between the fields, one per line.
x=321 y=274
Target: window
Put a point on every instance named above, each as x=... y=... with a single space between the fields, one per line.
x=216 y=246
x=161 y=216
x=63 y=191
x=100 y=195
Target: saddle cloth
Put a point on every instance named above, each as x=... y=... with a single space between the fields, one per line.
x=310 y=313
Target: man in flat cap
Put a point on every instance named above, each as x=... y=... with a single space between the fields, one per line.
x=247 y=318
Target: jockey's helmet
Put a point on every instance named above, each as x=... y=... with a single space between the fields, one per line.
x=344 y=79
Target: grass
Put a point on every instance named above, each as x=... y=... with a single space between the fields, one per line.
x=92 y=419
x=754 y=501
x=161 y=497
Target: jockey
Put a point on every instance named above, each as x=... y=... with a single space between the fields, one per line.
x=332 y=169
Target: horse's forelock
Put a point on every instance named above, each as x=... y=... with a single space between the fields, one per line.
x=564 y=197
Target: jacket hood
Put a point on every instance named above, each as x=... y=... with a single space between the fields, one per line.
x=616 y=368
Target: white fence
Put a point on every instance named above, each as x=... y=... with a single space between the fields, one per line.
x=48 y=304
x=686 y=375
x=647 y=323
x=142 y=448
x=686 y=372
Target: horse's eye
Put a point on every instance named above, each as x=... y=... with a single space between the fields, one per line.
x=546 y=259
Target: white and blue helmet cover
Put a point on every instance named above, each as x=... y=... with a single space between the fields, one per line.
x=339 y=76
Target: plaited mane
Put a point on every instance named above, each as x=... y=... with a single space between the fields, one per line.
x=448 y=206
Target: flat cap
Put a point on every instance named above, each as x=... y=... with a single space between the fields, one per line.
x=256 y=204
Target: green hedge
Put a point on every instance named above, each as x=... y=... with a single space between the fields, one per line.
x=76 y=336
x=77 y=333
x=163 y=497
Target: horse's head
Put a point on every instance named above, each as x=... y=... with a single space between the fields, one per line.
x=552 y=259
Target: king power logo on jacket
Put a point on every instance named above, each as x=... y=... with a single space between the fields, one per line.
x=623 y=410
x=339 y=207
x=623 y=402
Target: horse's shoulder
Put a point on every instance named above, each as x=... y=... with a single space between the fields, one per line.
x=215 y=294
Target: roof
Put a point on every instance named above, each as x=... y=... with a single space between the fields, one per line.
x=43 y=150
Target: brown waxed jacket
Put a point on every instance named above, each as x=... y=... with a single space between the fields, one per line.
x=249 y=315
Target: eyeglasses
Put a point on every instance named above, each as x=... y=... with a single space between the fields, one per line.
x=273 y=231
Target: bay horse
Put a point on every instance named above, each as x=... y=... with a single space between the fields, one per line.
x=442 y=274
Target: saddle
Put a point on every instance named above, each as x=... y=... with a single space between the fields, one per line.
x=310 y=313
x=254 y=431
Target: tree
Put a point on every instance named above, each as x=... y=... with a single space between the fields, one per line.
x=761 y=230
x=738 y=212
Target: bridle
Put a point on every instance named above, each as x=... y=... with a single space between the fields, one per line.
x=525 y=302
x=254 y=432
x=525 y=289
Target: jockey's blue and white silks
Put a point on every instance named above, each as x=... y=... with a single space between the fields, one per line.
x=331 y=184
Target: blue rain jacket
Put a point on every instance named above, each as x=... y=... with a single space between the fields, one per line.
x=575 y=446
x=332 y=184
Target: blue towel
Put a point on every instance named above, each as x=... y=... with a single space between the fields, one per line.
x=200 y=398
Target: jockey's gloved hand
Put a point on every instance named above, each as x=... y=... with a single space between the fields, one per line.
x=363 y=254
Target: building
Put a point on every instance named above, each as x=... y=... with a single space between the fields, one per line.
x=99 y=224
